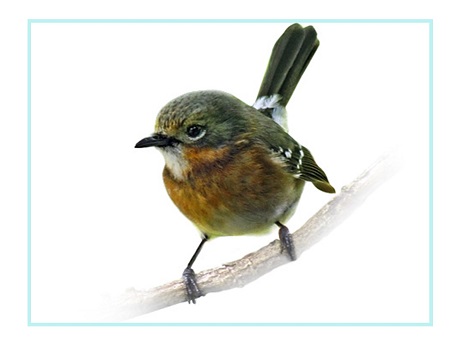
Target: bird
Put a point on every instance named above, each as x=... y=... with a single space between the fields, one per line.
x=231 y=168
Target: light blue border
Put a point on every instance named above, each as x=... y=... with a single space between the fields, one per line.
x=233 y=21
x=429 y=22
x=430 y=150
x=29 y=108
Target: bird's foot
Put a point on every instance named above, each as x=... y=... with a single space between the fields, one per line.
x=287 y=243
x=191 y=287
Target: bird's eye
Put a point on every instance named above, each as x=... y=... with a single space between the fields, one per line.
x=195 y=132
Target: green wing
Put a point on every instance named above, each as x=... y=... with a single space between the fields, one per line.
x=299 y=162
x=295 y=158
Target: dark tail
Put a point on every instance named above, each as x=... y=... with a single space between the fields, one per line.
x=290 y=57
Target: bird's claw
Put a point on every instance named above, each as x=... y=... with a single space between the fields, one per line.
x=191 y=287
x=287 y=243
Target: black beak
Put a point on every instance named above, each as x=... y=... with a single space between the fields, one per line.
x=157 y=140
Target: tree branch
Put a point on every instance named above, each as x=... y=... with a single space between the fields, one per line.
x=254 y=265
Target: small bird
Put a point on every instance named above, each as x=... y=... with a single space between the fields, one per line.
x=231 y=168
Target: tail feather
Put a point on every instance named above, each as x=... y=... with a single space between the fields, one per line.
x=288 y=61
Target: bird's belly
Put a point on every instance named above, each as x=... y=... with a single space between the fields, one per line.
x=235 y=221
x=220 y=208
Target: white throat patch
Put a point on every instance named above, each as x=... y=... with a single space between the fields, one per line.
x=175 y=163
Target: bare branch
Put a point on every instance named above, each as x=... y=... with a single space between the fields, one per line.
x=254 y=265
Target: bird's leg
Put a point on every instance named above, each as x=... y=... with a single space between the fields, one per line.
x=191 y=287
x=286 y=241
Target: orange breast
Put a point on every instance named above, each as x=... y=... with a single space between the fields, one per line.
x=233 y=192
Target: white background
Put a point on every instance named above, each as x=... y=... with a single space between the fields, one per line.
x=118 y=187
x=101 y=221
